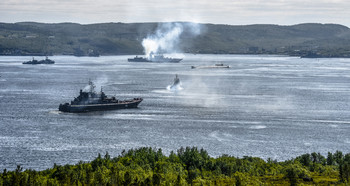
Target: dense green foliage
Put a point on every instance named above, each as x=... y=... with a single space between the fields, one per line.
x=320 y=40
x=189 y=166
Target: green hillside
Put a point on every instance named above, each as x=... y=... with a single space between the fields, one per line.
x=309 y=40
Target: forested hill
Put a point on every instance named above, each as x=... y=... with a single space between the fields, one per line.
x=188 y=166
x=309 y=40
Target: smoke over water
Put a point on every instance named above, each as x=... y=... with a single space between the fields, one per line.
x=198 y=92
x=167 y=37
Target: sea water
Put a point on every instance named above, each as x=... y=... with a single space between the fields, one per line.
x=275 y=107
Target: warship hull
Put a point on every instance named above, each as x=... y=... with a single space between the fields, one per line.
x=100 y=107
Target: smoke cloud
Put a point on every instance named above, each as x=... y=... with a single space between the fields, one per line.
x=200 y=92
x=99 y=83
x=167 y=37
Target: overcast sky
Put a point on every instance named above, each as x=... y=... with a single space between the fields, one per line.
x=233 y=12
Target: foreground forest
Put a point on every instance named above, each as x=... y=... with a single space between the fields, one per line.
x=189 y=166
x=307 y=40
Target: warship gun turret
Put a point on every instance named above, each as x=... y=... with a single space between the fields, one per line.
x=156 y=58
x=89 y=100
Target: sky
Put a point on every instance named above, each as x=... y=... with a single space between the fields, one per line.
x=231 y=12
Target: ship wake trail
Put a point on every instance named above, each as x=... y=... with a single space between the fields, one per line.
x=174 y=88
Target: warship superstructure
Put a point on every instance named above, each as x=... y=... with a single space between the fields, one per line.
x=89 y=100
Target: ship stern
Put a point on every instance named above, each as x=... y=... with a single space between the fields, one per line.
x=64 y=107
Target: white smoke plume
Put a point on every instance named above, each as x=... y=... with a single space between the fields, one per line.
x=99 y=83
x=167 y=37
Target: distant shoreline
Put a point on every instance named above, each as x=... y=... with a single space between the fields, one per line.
x=301 y=56
x=311 y=40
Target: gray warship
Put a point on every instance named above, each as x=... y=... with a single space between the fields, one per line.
x=156 y=58
x=92 y=101
x=36 y=62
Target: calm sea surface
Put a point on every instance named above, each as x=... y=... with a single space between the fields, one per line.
x=263 y=106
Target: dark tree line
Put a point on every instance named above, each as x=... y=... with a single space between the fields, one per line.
x=188 y=166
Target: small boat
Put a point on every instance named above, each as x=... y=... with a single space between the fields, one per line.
x=219 y=65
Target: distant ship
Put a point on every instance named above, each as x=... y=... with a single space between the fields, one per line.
x=156 y=58
x=36 y=62
x=91 y=101
x=219 y=65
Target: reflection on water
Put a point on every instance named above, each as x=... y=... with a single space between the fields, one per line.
x=265 y=106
